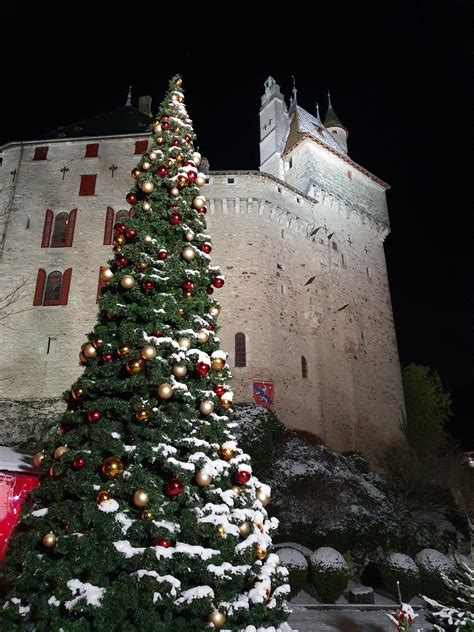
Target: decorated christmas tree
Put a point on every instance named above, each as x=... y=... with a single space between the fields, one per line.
x=148 y=516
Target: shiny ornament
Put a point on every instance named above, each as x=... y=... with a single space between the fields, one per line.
x=245 y=528
x=184 y=343
x=262 y=497
x=188 y=138
x=200 y=180
x=153 y=155
x=117 y=249
x=182 y=180
x=121 y=261
x=160 y=140
x=94 y=416
x=103 y=497
x=112 y=467
x=157 y=130
x=147 y=286
x=217 y=619
x=134 y=366
x=203 y=210
x=176 y=218
x=181 y=311
x=88 y=350
x=107 y=356
x=78 y=463
x=179 y=81
x=127 y=282
x=171 y=162
x=179 y=158
x=175 y=142
x=219 y=390
x=174 y=191
x=162 y=171
x=203 y=479
x=179 y=370
x=123 y=350
x=98 y=342
x=202 y=369
x=119 y=240
x=213 y=311
x=146 y=165
x=225 y=403
x=78 y=392
x=237 y=490
x=131 y=198
x=148 y=352
x=140 y=498
x=135 y=173
x=197 y=158
x=38 y=459
x=119 y=228
x=188 y=253
x=192 y=176
x=206 y=247
x=146 y=206
x=226 y=452
x=165 y=125
x=146 y=514
x=199 y=201
x=203 y=336
x=162 y=254
x=165 y=391
x=187 y=285
x=142 y=265
x=189 y=235
x=130 y=233
x=148 y=239
x=221 y=531
x=56 y=470
x=218 y=281
x=206 y=407
x=106 y=274
x=210 y=289
x=164 y=542
x=141 y=414
x=62 y=449
x=260 y=553
x=157 y=333
x=242 y=477
x=173 y=487
x=49 y=540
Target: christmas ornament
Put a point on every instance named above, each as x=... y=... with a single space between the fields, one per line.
x=219 y=390
x=262 y=497
x=260 y=552
x=203 y=210
x=146 y=206
x=213 y=311
x=165 y=391
x=187 y=285
x=112 y=467
x=140 y=498
x=203 y=479
x=200 y=180
x=162 y=254
x=130 y=233
x=98 y=342
x=157 y=333
x=175 y=142
x=106 y=273
x=226 y=400
x=146 y=514
x=171 y=162
x=217 y=619
x=56 y=470
x=242 y=477
x=206 y=407
x=77 y=392
x=141 y=414
x=134 y=366
x=179 y=370
x=78 y=463
x=127 y=282
x=173 y=487
x=199 y=201
x=62 y=449
x=119 y=240
x=182 y=180
x=38 y=459
x=117 y=249
x=123 y=350
x=221 y=531
x=175 y=218
x=131 y=198
x=147 y=286
x=121 y=261
x=162 y=542
x=188 y=253
x=217 y=281
x=103 y=497
x=226 y=452
x=188 y=138
x=148 y=239
x=184 y=343
x=142 y=265
x=189 y=235
x=49 y=540
x=135 y=173
x=174 y=191
x=192 y=176
x=237 y=490
x=88 y=350
x=162 y=171
x=147 y=186
x=153 y=155
x=107 y=356
x=148 y=352
x=203 y=336
x=217 y=361
x=94 y=415
x=245 y=528
x=160 y=140
x=119 y=228
x=202 y=369
x=157 y=130
x=179 y=158
x=181 y=311
x=146 y=165
x=210 y=289
x=206 y=247
x=165 y=125
x=179 y=81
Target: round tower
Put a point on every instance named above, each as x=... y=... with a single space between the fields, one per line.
x=334 y=125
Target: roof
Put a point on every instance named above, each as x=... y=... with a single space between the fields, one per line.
x=332 y=119
x=123 y=120
x=304 y=125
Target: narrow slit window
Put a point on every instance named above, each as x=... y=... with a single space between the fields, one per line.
x=240 y=350
x=304 y=367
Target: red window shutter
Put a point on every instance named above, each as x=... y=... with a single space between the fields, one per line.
x=70 y=228
x=141 y=146
x=87 y=185
x=41 y=153
x=109 y=222
x=48 y=222
x=40 y=280
x=63 y=298
x=92 y=150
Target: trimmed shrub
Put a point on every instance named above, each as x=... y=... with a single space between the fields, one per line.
x=432 y=564
x=330 y=573
x=297 y=566
x=401 y=568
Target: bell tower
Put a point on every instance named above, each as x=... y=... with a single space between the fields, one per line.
x=274 y=127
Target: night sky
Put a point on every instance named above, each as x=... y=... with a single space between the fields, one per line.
x=399 y=76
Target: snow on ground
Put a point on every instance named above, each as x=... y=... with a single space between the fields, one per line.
x=13 y=461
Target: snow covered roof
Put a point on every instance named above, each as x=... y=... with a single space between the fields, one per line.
x=13 y=461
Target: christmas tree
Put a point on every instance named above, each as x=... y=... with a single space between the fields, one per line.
x=148 y=516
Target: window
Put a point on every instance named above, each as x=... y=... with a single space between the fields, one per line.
x=141 y=146
x=110 y=219
x=298 y=200
x=87 y=185
x=60 y=230
x=63 y=233
x=52 y=289
x=240 y=350
x=334 y=245
x=304 y=367
x=92 y=150
x=40 y=153
x=290 y=163
x=343 y=261
x=369 y=273
x=230 y=180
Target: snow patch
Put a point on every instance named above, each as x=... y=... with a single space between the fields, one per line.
x=39 y=512
x=92 y=594
x=199 y=592
x=108 y=506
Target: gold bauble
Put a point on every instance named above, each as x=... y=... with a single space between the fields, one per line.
x=188 y=253
x=141 y=414
x=134 y=366
x=181 y=311
x=217 y=363
x=226 y=453
x=62 y=449
x=146 y=514
x=146 y=206
x=200 y=180
x=140 y=498
x=153 y=155
x=260 y=552
x=178 y=81
x=236 y=489
x=123 y=350
x=160 y=140
x=147 y=186
x=38 y=458
x=188 y=294
x=170 y=162
x=245 y=528
x=98 y=342
x=127 y=282
x=221 y=530
x=49 y=540
x=179 y=370
x=189 y=235
x=148 y=352
x=165 y=391
x=106 y=273
x=217 y=619
x=225 y=403
x=213 y=311
x=174 y=191
x=203 y=479
x=112 y=467
x=174 y=97
x=103 y=497
x=146 y=166
x=157 y=130
x=148 y=239
x=182 y=180
x=78 y=392
x=203 y=336
x=142 y=265
x=117 y=249
x=88 y=350
x=135 y=173
x=206 y=407
x=179 y=158
x=199 y=201
x=197 y=158
x=119 y=240
x=262 y=497
x=185 y=343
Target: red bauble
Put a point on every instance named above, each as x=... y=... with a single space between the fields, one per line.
x=78 y=463
x=157 y=333
x=162 y=255
x=217 y=281
x=187 y=285
x=119 y=229
x=176 y=218
x=189 y=163
x=121 y=261
x=62 y=430
x=192 y=175
x=219 y=390
x=130 y=233
x=206 y=247
x=165 y=125
x=131 y=198
x=211 y=326
x=162 y=171
x=202 y=369
x=107 y=357
x=210 y=289
x=188 y=138
x=174 y=487
x=242 y=477
x=175 y=142
x=163 y=542
x=165 y=117
x=147 y=285
x=93 y=416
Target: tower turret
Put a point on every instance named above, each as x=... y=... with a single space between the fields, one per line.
x=334 y=125
x=274 y=127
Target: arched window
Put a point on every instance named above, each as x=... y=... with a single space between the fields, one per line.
x=240 y=350
x=52 y=289
x=304 y=367
x=58 y=239
x=52 y=292
x=112 y=218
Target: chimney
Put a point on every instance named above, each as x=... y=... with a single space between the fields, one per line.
x=144 y=105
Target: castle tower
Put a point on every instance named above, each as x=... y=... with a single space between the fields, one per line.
x=335 y=127
x=274 y=126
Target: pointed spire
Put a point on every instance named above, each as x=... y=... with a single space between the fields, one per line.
x=293 y=102
x=317 y=111
x=332 y=120
x=129 y=97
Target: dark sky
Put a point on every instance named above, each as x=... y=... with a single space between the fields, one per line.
x=399 y=75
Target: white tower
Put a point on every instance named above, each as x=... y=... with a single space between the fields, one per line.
x=334 y=125
x=274 y=127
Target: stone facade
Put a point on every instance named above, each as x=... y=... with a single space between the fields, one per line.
x=305 y=277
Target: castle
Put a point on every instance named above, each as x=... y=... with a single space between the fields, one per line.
x=306 y=309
